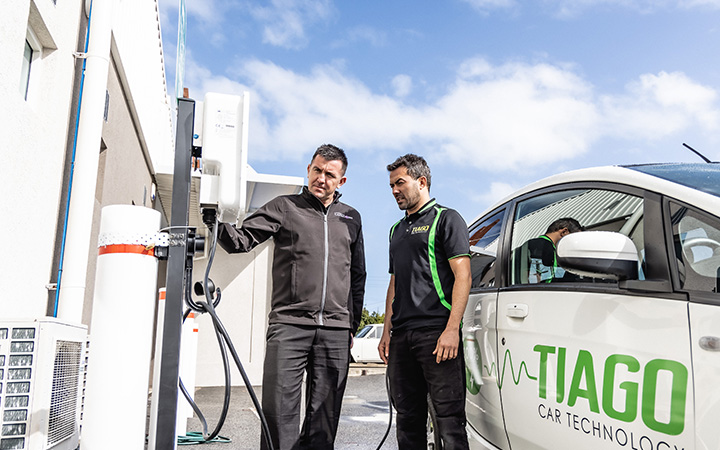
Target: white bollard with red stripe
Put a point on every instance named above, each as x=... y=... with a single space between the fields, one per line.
x=119 y=359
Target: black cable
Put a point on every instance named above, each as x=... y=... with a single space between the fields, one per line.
x=226 y=366
x=223 y=340
x=390 y=408
x=226 y=397
x=256 y=403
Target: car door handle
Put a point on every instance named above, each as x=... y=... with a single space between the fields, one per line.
x=710 y=343
x=517 y=310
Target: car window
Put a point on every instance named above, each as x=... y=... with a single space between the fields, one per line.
x=539 y=221
x=364 y=331
x=696 y=239
x=484 y=237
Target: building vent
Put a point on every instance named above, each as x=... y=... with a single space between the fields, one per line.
x=42 y=365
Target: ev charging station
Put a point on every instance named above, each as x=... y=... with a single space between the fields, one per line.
x=229 y=189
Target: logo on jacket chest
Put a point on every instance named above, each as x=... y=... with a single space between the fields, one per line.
x=343 y=216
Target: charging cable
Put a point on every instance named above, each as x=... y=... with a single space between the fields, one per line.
x=225 y=343
x=390 y=408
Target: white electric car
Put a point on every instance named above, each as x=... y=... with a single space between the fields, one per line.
x=624 y=351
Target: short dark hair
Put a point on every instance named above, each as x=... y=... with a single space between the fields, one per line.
x=331 y=153
x=571 y=224
x=415 y=165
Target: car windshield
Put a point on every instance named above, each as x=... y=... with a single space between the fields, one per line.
x=703 y=177
x=364 y=331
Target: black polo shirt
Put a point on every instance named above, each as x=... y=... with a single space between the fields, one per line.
x=421 y=245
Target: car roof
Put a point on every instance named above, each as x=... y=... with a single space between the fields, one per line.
x=637 y=176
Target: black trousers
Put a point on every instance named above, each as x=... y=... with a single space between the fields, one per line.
x=292 y=350
x=413 y=374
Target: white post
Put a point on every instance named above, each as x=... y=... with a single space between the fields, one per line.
x=116 y=393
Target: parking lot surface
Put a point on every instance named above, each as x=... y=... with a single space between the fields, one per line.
x=363 y=422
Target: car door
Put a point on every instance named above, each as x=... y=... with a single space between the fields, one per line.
x=589 y=362
x=366 y=345
x=358 y=349
x=696 y=271
x=370 y=344
x=483 y=406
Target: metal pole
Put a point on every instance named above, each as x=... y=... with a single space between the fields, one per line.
x=166 y=438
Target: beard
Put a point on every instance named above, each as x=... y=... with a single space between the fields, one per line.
x=409 y=201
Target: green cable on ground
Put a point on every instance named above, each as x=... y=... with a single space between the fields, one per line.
x=194 y=438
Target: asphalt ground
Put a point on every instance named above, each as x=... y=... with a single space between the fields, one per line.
x=363 y=421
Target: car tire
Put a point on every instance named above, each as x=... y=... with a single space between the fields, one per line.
x=434 y=441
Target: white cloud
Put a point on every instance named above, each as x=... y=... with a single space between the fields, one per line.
x=699 y=3
x=402 y=84
x=657 y=106
x=375 y=37
x=486 y=5
x=285 y=20
x=516 y=114
x=498 y=190
x=208 y=11
x=493 y=117
x=569 y=8
x=325 y=105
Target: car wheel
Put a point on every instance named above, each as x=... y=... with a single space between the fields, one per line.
x=434 y=442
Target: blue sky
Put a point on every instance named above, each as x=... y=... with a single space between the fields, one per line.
x=494 y=94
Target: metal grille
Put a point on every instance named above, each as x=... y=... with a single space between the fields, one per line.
x=62 y=421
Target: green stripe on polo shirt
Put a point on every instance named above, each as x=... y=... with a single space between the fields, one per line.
x=392 y=230
x=433 y=260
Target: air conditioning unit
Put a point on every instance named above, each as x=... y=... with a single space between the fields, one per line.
x=42 y=369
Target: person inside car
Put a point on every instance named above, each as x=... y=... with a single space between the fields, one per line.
x=542 y=252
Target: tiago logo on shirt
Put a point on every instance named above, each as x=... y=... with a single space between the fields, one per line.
x=422 y=229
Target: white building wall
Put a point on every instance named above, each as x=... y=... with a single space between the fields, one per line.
x=137 y=36
x=33 y=144
x=36 y=131
x=245 y=281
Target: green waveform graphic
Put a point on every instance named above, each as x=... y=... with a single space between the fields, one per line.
x=492 y=369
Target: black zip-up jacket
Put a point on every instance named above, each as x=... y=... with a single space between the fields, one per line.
x=319 y=258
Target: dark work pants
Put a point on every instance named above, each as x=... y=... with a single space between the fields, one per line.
x=413 y=374
x=292 y=350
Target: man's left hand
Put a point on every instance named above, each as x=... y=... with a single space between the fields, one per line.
x=447 y=346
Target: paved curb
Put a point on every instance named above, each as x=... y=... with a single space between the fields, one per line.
x=359 y=369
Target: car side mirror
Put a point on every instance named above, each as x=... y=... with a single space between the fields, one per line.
x=599 y=254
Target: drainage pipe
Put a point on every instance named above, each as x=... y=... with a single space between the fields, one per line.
x=73 y=270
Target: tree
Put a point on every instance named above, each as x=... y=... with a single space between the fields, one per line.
x=370 y=317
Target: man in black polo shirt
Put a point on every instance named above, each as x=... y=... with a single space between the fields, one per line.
x=429 y=286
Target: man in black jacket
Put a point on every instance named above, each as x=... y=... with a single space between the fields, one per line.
x=317 y=299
